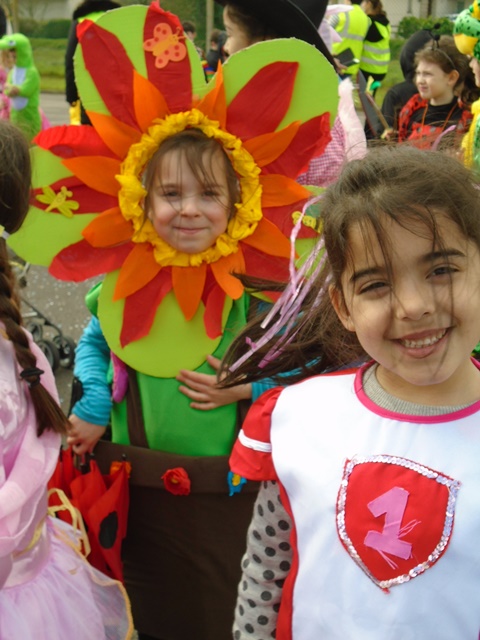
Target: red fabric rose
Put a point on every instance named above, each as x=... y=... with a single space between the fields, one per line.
x=177 y=481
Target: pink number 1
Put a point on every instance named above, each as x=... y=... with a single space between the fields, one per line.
x=393 y=504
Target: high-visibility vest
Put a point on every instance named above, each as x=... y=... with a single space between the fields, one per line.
x=352 y=27
x=376 y=55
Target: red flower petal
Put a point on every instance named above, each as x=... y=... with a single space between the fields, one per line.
x=173 y=80
x=177 y=481
x=141 y=307
x=80 y=261
x=105 y=58
x=270 y=239
x=267 y=148
x=261 y=265
x=72 y=141
x=309 y=142
x=266 y=98
x=282 y=218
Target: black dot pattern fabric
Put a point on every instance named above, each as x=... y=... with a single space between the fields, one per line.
x=265 y=566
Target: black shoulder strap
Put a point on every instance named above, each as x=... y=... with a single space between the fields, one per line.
x=136 y=427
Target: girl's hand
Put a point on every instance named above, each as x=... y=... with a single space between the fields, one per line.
x=83 y=436
x=388 y=134
x=202 y=389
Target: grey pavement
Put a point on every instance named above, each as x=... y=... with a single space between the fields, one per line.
x=55 y=106
x=62 y=303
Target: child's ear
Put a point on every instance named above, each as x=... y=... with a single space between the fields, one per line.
x=453 y=77
x=338 y=302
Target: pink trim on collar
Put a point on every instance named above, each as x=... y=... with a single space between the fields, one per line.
x=393 y=415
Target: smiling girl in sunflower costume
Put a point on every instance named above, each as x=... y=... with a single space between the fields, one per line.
x=175 y=187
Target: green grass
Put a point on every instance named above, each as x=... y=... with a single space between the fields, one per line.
x=49 y=56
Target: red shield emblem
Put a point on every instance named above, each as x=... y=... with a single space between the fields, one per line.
x=394 y=516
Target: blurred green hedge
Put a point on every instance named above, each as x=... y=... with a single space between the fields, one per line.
x=52 y=29
x=409 y=25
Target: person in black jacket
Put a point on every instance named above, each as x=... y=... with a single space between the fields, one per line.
x=3 y=22
x=91 y=10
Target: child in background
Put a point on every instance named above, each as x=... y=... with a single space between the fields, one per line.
x=446 y=90
x=23 y=85
x=85 y=10
x=7 y=62
x=352 y=26
x=247 y=22
x=47 y=589
x=376 y=46
x=371 y=475
x=190 y=31
x=215 y=54
x=398 y=95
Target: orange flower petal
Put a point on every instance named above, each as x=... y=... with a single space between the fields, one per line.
x=279 y=190
x=148 y=102
x=97 y=172
x=188 y=284
x=214 y=104
x=269 y=146
x=108 y=229
x=222 y=270
x=117 y=136
x=269 y=239
x=138 y=269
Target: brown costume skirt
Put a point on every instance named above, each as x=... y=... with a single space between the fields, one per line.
x=182 y=562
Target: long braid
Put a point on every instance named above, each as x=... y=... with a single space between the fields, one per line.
x=15 y=176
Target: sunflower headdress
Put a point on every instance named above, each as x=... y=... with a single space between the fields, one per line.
x=271 y=108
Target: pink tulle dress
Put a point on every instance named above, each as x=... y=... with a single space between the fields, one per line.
x=47 y=589
x=4 y=100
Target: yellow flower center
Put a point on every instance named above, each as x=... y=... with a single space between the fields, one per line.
x=132 y=193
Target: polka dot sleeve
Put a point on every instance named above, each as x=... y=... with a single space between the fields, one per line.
x=265 y=566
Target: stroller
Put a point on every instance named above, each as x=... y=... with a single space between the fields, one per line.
x=58 y=348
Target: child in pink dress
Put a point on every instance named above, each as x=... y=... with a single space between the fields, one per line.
x=4 y=100
x=47 y=588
